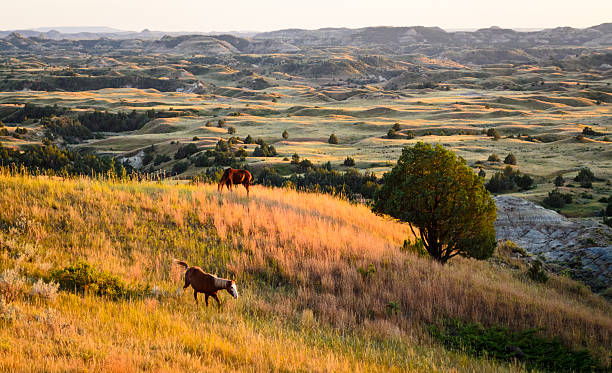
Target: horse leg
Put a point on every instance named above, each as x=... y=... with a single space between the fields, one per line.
x=246 y=186
x=214 y=295
x=195 y=295
x=206 y=299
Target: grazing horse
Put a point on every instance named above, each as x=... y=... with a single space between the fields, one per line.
x=232 y=176
x=203 y=282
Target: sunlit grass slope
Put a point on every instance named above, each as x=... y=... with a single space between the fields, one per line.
x=324 y=284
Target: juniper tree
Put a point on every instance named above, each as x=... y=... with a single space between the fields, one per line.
x=443 y=201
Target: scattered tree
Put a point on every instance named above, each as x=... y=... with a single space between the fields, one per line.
x=437 y=193
x=333 y=139
x=510 y=159
x=493 y=158
x=285 y=134
x=559 y=181
x=349 y=162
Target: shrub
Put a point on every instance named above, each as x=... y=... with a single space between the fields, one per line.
x=82 y=277
x=493 y=158
x=492 y=132
x=8 y=312
x=559 y=181
x=265 y=150
x=44 y=290
x=391 y=134
x=536 y=272
x=295 y=158
x=11 y=285
x=231 y=130
x=367 y=273
x=396 y=127
x=249 y=140
x=180 y=167
x=221 y=123
x=333 y=139
x=349 y=162
x=510 y=159
x=501 y=343
x=464 y=213
x=482 y=174
x=285 y=134
x=409 y=135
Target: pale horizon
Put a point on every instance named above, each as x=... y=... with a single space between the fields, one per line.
x=268 y=15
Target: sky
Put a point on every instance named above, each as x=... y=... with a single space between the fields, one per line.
x=267 y=15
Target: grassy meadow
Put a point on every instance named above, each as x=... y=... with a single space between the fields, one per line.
x=325 y=284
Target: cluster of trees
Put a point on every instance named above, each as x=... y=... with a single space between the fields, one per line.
x=68 y=128
x=509 y=180
x=99 y=121
x=556 y=199
x=350 y=184
x=61 y=161
x=586 y=178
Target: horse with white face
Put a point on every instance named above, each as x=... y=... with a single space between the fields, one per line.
x=203 y=282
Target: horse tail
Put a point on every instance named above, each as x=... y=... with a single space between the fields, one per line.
x=181 y=263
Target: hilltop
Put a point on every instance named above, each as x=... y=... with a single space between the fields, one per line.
x=325 y=284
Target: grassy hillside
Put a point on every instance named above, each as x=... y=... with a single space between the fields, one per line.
x=324 y=284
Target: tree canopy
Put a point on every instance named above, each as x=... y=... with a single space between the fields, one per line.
x=438 y=194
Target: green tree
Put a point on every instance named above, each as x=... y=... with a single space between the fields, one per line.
x=559 y=181
x=285 y=134
x=438 y=194
x=333 y=139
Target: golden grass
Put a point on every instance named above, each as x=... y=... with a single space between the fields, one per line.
x=305 y=306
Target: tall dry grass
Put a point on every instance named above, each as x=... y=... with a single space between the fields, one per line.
x=293 y=253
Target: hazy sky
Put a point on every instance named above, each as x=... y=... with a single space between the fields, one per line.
x=263 y=15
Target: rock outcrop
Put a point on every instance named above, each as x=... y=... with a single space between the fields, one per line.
x=582 y=247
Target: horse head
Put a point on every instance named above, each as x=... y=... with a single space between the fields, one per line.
x=231 y=288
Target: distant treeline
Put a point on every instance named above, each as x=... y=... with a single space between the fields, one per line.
x=83 y=83
x=52 y=159
x=81 y=125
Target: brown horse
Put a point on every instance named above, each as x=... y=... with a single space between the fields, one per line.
x=232 y=176
x=203 y=282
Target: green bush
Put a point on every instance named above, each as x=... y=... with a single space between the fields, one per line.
x=185 y=151
x=500 y=343
x=349 y=162
x=82 y=277
x=180 y=167
x=161 y=158
x=536 y=272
